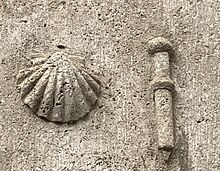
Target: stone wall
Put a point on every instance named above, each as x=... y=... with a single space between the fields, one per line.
x=109 y=38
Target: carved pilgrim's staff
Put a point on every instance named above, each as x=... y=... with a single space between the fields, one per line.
x=163 y=86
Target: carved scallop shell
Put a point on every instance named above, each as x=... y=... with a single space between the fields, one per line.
x=55 y=89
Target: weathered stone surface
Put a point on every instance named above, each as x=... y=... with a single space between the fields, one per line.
x=161 y=64
x=110 y=37
x=162 y=83
x=163 y=87
x=55 y=89
x=164 y=114
x=159 y=44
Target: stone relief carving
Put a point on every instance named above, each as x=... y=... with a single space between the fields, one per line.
x=163 y=87
x=55 y=89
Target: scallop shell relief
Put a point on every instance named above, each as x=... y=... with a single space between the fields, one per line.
x=55 y=89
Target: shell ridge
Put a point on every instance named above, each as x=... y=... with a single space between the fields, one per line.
x=34 y=97
x=28 y=84
x=24 y=73
x=77 y=74
x=78 y=98
x=47 y=102
x=69 y=97
x=86 y=90
x=58 y=109
x=39 y=61
x=93 y=77
x=94 y=85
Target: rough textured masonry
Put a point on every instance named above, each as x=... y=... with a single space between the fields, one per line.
x=108 y=38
